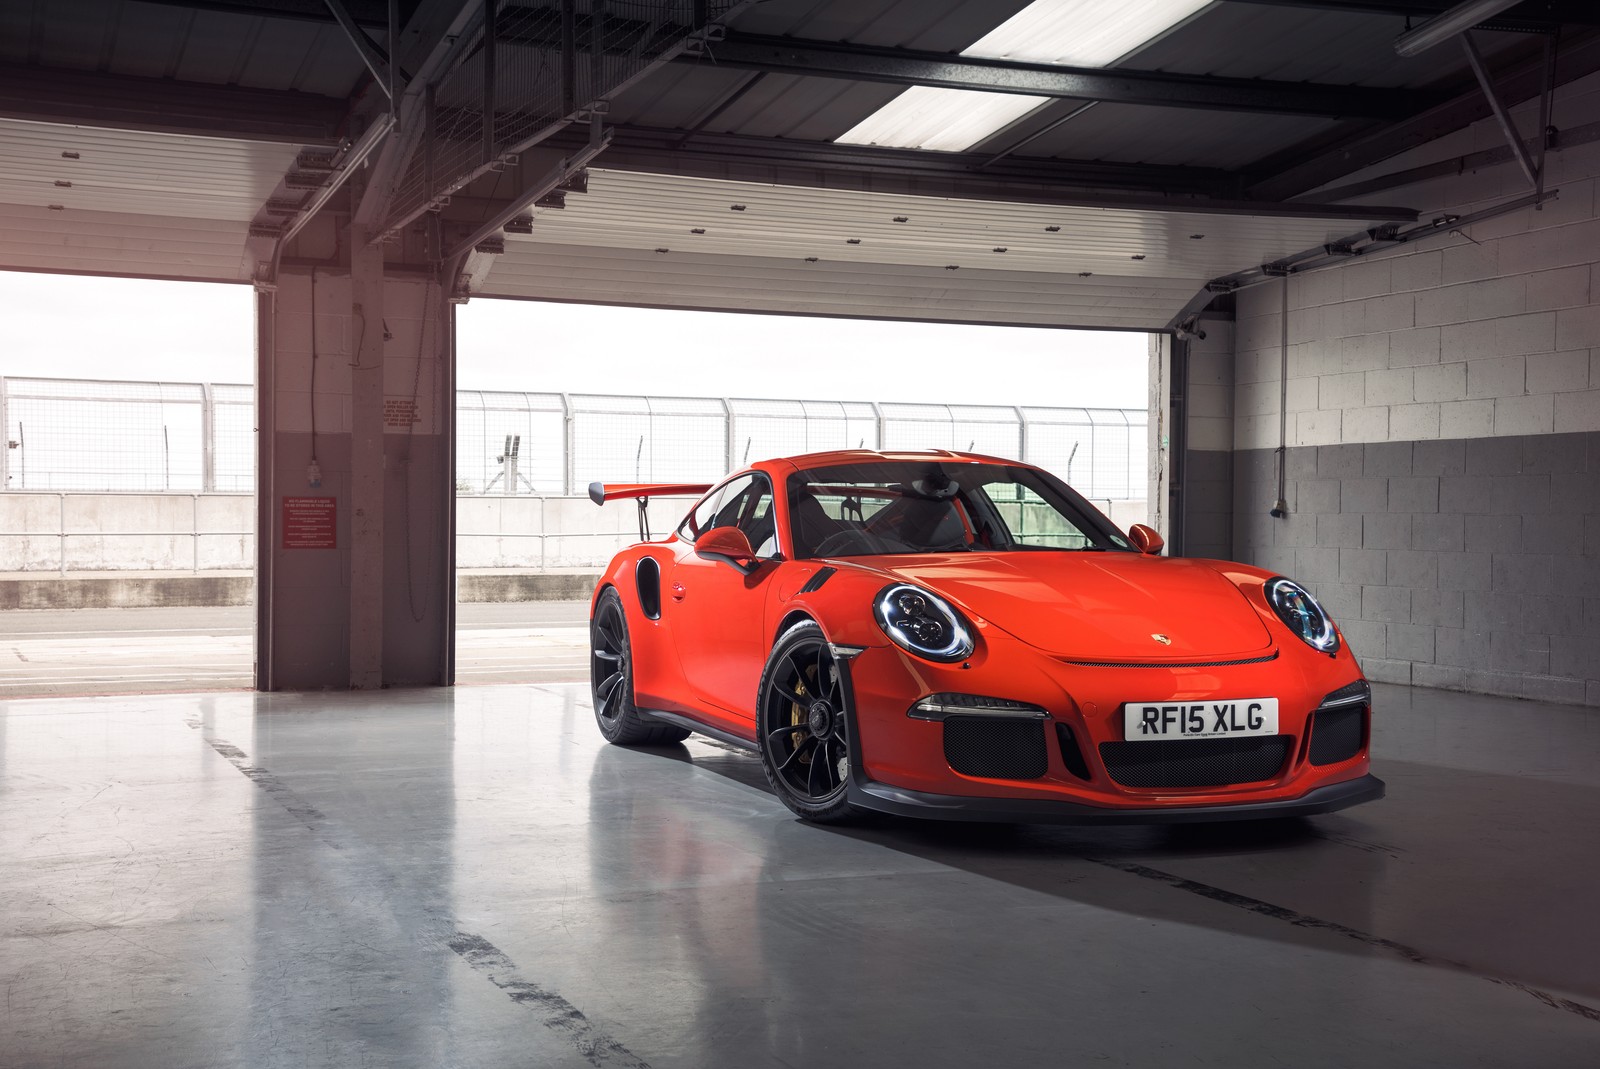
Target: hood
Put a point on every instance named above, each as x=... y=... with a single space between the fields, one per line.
x=1097 y=606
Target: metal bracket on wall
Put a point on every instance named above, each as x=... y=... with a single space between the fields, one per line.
x=1508 y=126
x=1368 y=242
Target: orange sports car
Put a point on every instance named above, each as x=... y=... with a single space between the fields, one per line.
x=940 y=634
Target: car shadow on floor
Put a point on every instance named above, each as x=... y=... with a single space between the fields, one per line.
x=1456 y=869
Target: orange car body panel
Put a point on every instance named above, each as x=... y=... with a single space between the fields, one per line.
x=1072 y=633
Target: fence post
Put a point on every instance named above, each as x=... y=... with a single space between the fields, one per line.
x=877 y=425
x=1094 y=435
x=61 y=527
x=1022 y=434
x=568 y=474
x=208 y=440
x=729 y=448
x=194 y=530
x=5 y=433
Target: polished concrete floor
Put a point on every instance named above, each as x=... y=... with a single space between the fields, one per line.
x=471 y=878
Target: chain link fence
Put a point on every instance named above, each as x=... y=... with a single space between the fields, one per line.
x=545 y=443
x=142 y=437
x=136 y=437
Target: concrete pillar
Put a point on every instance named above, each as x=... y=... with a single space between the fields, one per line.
x=356 y=568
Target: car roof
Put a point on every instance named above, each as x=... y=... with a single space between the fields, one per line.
x=836 y=457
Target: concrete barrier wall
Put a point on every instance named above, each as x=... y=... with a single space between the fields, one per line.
x=69 y=532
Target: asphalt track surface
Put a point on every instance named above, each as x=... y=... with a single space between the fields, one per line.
x=64 y=652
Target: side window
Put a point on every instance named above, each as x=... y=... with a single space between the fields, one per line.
x=733 y=502
x=758 y=522
x=703 y=518
x=745 y=503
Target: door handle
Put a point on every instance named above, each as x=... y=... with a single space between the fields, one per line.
x=678 y=591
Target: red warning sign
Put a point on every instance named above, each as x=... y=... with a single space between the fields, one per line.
x=308 y=523
x=400 y=412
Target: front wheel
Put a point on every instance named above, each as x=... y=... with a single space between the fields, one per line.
x=611 y=681
x=800 y=722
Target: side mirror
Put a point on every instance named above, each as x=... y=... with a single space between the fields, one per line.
x=729 y=545
x=1146 y=539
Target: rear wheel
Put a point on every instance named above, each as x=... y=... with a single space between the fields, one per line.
x=611 y=681
x=805 y=746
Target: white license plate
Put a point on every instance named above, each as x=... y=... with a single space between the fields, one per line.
x=1200 y=720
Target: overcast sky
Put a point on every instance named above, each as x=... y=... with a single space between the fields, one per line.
x=78 y=327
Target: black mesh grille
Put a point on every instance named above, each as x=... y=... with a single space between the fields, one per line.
x=1071 y=755
x=1336 y=734
x=1174 y=664
x=1195 y=762
x=995 y=747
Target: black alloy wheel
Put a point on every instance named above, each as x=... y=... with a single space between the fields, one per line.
x=805 y=743
x=611 y=681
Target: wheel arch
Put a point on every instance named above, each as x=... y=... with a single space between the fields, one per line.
x=790 y=618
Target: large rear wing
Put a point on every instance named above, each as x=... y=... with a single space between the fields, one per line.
x=600 y=493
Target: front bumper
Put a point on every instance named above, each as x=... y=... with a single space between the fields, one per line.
x=899 y=764
x=882 y=798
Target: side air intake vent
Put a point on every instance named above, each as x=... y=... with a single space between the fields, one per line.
x=647 y=575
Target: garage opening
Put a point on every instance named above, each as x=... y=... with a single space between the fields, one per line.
x=555 y=396
x=127 y=518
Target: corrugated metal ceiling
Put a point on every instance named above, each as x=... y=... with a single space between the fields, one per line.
x=137 y=173
x=1227 y=40
x=108 y=243
x=188 y=44
x=764 y=284
x=157 y=204
x=1100 y=267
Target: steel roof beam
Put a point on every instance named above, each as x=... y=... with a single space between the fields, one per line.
x=950 y=174
x=431 y=42
x=167 y=106
x=1579 y=56
x=1532 y=16
x=371 y=13
x=899 y=66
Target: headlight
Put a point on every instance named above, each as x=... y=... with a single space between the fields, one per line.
x=1301 y=613
x=923 y=623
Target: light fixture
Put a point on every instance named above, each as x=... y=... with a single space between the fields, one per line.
x=1081 y=33
x=1076 y=33
x=948 y=120
x=1448 y=24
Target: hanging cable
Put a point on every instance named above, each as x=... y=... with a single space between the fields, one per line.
x=313 y=469
x=1280 y=508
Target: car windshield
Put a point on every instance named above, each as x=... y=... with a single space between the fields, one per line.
x=939 y=506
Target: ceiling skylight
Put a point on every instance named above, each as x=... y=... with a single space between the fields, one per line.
x=1074 y=33
x=945 y=119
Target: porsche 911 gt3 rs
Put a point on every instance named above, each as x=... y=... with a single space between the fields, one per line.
x=941 y=634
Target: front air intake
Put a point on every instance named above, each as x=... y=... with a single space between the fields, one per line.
x=1338 y=734
x=1195 y=762
x=995 y=747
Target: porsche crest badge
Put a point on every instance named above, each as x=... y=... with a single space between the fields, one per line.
x=1163 y=639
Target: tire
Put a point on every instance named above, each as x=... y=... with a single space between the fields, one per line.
x=611 y=681
x=792 y=735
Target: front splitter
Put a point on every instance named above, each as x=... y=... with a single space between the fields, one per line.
x=898 y=801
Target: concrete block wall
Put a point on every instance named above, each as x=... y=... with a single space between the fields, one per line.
x=1443 y=468
x=1207 y=500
